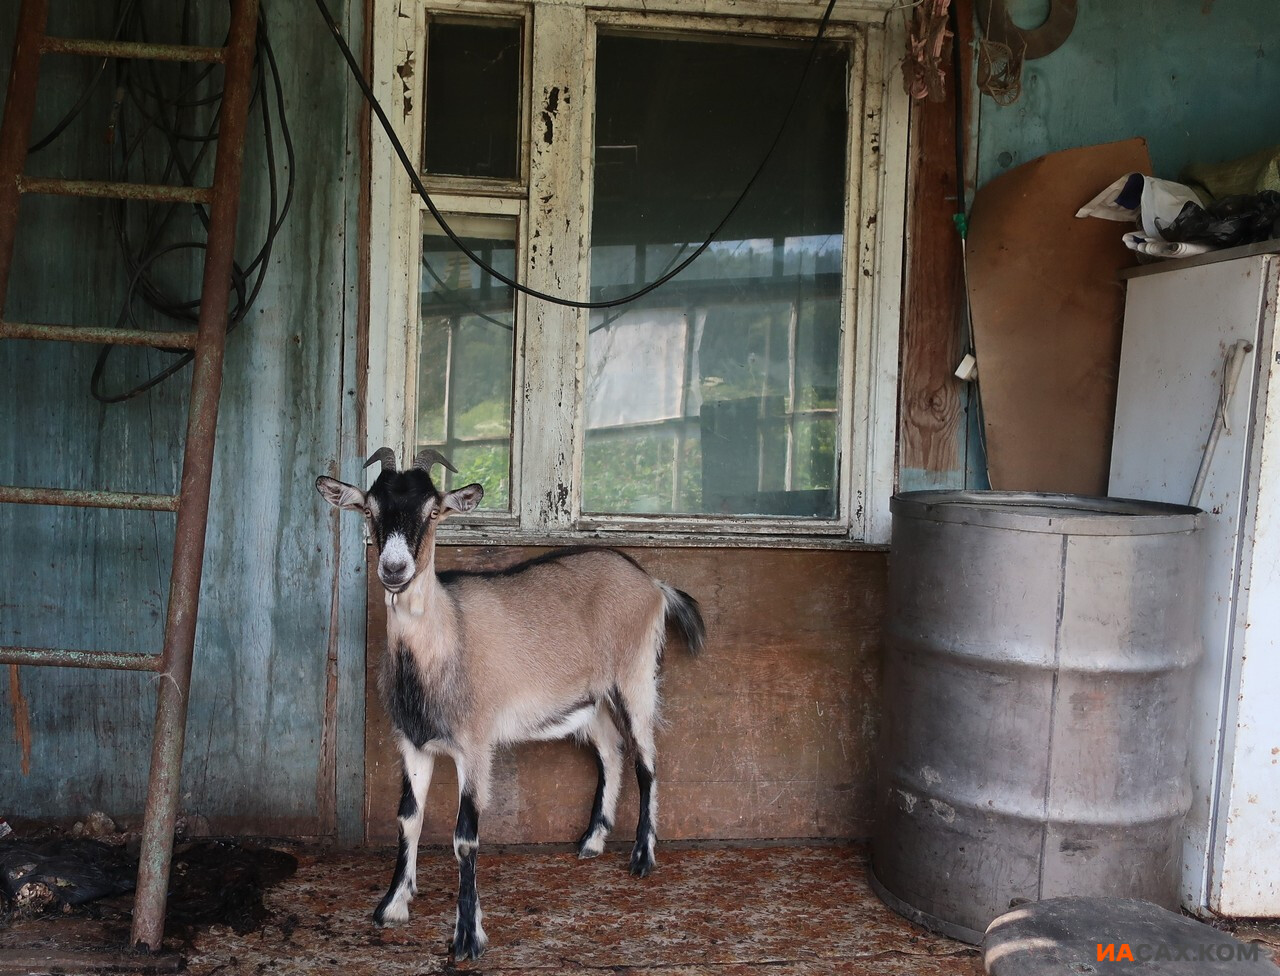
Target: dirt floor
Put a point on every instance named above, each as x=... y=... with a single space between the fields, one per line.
x=784 y=911
x=789 y=911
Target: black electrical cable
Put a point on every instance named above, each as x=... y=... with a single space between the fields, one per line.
x=161 y=116
x=418 y=186
x=153 y=105
x=73 y=113
x=607 y=321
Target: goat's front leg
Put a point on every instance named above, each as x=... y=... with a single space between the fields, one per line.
x=416 y=767
x=469 y=940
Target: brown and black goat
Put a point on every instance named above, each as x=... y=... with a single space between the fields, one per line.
x=568 y=644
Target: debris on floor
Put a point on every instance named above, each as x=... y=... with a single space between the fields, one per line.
x=96 y=824
x=786 y=910
x=61 y=872
x=794 y=910
x=56 y=873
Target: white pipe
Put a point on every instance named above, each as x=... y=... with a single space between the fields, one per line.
x=1230 y=374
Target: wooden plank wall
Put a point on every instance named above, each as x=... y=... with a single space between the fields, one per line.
x=770 y=734
x=275 y=735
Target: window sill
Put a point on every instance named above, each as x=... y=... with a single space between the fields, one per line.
x=502 y=536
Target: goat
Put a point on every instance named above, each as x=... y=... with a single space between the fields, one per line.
x=567 y=644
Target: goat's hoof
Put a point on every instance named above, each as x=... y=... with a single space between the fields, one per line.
x=642 y=860
x=469 y=943
x=391 y=913
x=590 y=844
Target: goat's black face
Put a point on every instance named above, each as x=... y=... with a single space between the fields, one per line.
x=403 y=508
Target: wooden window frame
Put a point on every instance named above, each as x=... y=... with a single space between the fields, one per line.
x=556 y=176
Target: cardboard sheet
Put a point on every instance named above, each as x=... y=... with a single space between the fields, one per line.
x=1047 y=314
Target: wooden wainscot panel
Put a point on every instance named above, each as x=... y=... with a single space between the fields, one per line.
x=770 y=734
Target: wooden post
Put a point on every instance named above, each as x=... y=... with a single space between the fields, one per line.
x=932 y=428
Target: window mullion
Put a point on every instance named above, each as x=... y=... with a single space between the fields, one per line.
x=886 y=109
x=392 y=351
x=559 y=195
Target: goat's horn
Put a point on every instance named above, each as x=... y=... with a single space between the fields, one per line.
x=429 y=456
x=386 y=456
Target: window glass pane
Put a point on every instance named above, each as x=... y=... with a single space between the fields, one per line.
x=473 y=99
x=718 y=393
x=466 y=358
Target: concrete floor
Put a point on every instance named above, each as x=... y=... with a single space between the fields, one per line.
x=787 y=911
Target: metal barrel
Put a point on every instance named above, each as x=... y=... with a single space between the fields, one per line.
x=1037 y=701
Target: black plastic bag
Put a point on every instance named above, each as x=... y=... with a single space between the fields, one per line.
x=1231 y=221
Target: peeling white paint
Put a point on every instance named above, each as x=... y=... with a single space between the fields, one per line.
x=557 y=125
x=908 y=800
x=944 y=811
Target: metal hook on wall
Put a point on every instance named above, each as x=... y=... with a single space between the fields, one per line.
x=1033 y=42
x=1005 y=46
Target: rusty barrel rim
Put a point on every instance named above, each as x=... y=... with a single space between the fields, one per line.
x=1059 y=514
x=934 y=923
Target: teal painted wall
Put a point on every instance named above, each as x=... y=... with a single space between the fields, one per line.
x=1198 y=79
x=268 y=748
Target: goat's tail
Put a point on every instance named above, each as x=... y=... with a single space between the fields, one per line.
x=680 y=607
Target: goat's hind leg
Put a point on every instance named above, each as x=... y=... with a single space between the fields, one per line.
x=469 y=940
x=416 y=767
x=608 y=743
x=643 y=854
x=637 y=709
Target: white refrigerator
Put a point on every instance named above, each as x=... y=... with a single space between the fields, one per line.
x=1183 y=319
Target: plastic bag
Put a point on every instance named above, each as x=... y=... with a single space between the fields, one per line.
x=1143 y=200
x=1231 y=221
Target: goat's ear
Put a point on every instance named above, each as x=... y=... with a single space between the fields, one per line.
x=462 y=500
x=339 y=494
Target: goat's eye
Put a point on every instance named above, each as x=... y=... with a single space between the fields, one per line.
x=435 y=513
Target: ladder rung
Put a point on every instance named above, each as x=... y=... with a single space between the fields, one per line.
x=133 y=49
x=159 y=192
x=57 y=657
x=102 y=335
x=76 y=498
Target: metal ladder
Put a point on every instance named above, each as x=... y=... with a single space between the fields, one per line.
x=191 y=503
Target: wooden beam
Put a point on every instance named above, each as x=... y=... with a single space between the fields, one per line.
x=931 y=418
